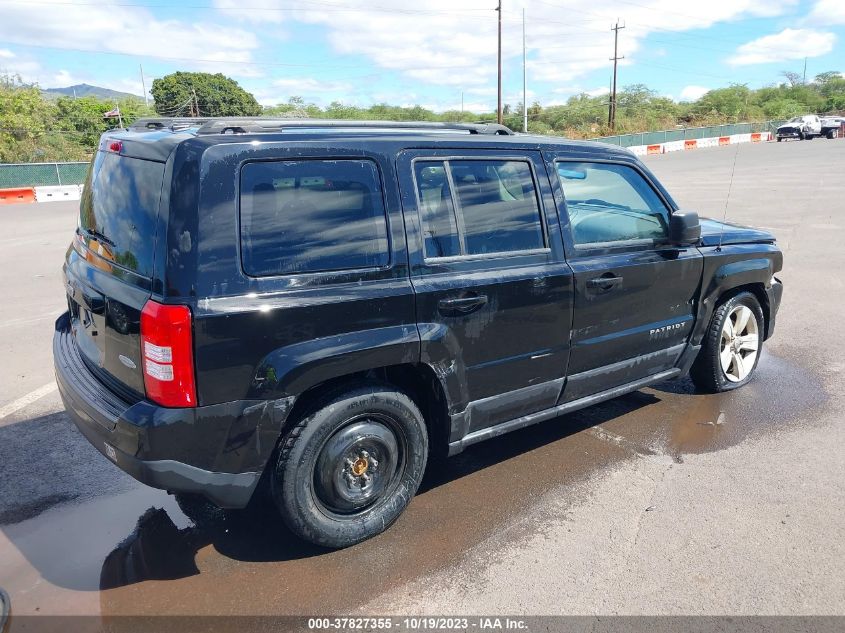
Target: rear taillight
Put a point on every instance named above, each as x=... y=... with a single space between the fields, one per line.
x=167 y=351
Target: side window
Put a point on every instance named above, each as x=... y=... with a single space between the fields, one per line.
x=436 y=210
x=493 y=208
x=310 y=216
x=498 y=203
x=611 y=203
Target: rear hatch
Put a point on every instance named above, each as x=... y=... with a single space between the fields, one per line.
x=110 y=265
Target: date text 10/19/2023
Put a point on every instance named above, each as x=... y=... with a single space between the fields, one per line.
x=421 y=623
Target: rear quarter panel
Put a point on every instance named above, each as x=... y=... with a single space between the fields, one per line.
x=273 y=337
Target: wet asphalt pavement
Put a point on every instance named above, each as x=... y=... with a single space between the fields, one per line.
x=662 y=501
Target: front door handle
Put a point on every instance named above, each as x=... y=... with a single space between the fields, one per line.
x=604 y=283
x=462 y=305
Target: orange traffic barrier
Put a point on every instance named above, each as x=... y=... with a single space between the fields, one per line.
x=16 y=195
x=755 y=138
x=724 y=140
x=690 y=143
x=654 y=149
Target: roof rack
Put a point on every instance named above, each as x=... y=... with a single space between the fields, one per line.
x=152 y=124
x=238 y=125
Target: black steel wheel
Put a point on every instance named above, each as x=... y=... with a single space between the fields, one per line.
x=359 y=464
x=348 y=467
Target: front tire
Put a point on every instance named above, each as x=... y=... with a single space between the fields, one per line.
x=732 y=345
x=348 y=468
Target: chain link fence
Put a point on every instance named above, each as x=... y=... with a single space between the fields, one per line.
x=682 y=134
x=41 y=174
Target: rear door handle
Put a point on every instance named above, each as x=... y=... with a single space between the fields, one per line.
x=462 y=305
x=604 y=283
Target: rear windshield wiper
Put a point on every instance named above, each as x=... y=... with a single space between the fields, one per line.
x=100 y=237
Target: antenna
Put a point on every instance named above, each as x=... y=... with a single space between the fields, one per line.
x=727 y=199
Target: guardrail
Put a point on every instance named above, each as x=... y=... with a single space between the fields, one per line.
x=19 y=175
x=689 y=133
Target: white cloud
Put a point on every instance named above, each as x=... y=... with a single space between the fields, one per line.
x=448 y=44
x=788 y=44
x=6 y=53
x=312 y=90
x=132 y=31
x=693 y=93
x=828 y=12
x=303 y=86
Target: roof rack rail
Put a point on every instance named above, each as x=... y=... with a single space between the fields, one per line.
x=151 y=124
x=240 y=125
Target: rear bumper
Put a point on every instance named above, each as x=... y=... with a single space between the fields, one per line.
x=218 y=451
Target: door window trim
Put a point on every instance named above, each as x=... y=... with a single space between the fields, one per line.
x=459 y=223
x=620 y=246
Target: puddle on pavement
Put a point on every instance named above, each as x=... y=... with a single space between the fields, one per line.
x=146 y=560
x=780 y=395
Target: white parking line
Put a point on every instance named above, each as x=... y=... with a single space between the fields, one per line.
x=28 y=399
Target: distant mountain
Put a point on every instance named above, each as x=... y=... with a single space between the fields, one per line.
x=84 y=90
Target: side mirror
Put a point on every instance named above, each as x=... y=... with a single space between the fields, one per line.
x=684 y=228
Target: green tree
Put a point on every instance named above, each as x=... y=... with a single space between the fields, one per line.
x=831 y=86
x=729 y=103
x=26 y=119
x=202 y=94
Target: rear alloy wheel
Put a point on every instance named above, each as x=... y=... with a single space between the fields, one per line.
x=731 y=348
x=348 y=468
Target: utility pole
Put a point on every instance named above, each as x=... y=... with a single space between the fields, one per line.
x=524 y=80
x=805 y=72
x=143 y=85
x=499 y=118
x=462 y=101
x=611 y=114
x=195 y=107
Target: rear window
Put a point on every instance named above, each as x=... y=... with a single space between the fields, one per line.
x=119 y=208
x=311 y=216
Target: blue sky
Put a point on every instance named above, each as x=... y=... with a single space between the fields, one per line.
x=402 y=52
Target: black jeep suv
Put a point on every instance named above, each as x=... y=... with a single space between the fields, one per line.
x=314 y=308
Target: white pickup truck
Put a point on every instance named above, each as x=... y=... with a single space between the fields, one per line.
x=803 y=127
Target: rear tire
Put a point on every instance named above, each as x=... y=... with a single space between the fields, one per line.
x=349 y=466
x=731 y=348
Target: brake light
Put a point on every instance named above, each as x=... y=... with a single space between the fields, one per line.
x=167 y=351
x=116 y=146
